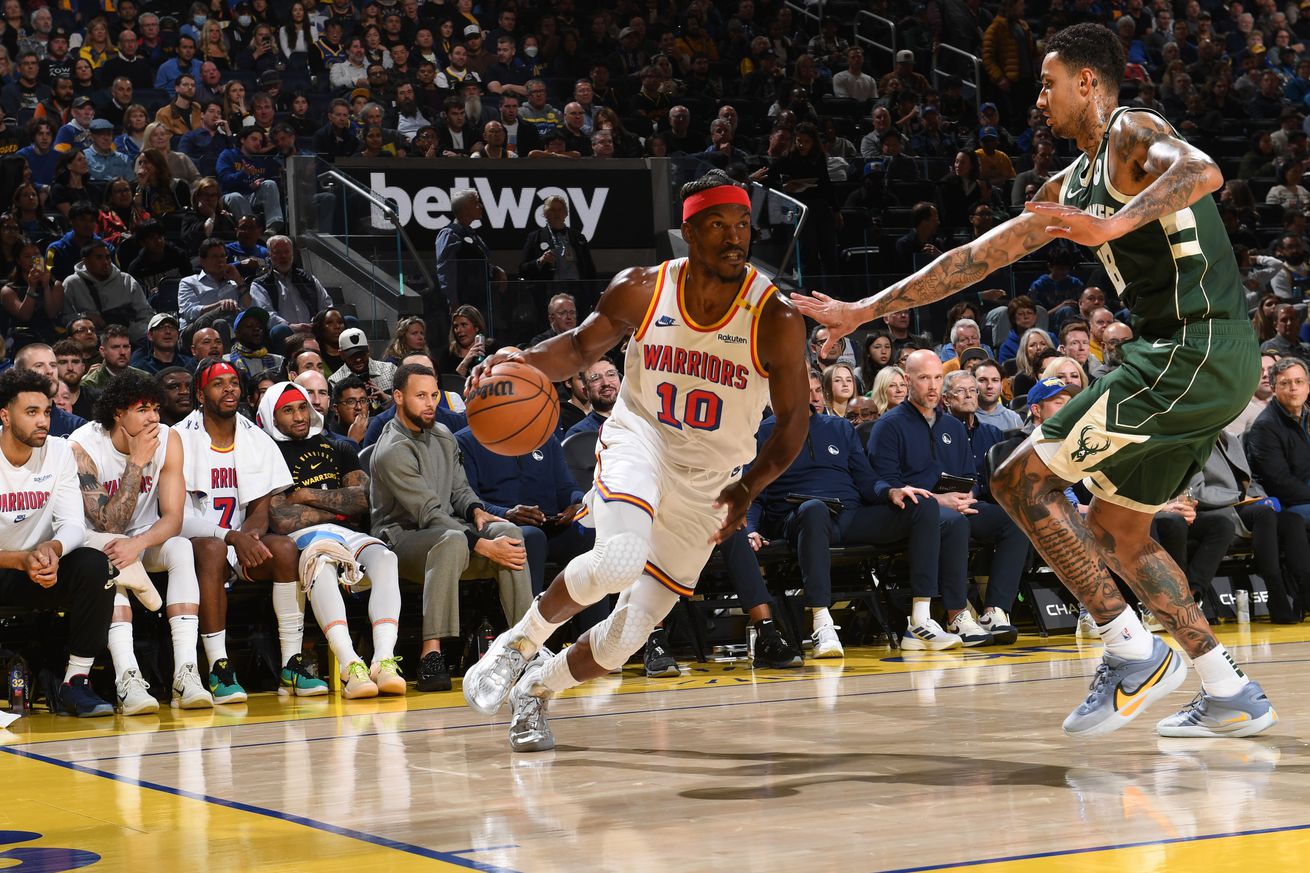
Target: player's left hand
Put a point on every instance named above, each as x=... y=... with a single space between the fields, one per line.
x=737 y=498
x=123 y=552
x=841 y=318
x=1071 y=223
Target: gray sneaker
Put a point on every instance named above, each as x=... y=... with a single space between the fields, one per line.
x=1245 y=714
x=488 y=682
x=529 y=731
x=1121 y=689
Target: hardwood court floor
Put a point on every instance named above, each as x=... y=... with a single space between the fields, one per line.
x=883 y=762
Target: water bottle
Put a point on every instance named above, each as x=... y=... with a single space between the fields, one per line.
x=486 y=635
x=1243 y=606
x=19 y=700
x=751 y=633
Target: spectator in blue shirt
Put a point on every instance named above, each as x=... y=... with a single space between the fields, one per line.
x=1058 y=286
x=602 y=382
x=106 y=162
x=184 y=62
x=76 y=134
x=248 y=178
x=204 y=144
x=40 y=156
x=64 y=253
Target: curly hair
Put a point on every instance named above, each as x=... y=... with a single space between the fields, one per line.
x=15 y=381
x=123 y=392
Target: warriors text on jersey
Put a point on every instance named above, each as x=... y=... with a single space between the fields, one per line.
x=696 y=391
x=1176 y=269
x=39 y=497
x=110 y=464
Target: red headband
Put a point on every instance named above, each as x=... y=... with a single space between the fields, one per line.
x=213 y=371
x=290 y=394
x=714 y=197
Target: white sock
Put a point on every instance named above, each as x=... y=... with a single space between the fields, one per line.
x=215 y=647
x=556 y=675
x=1220 y=675
x=184 y=630
x=330 y=610
x=1124 y=636
x=384 y=639
x=78 y=667
x=290 y=611
x=920 y=610
x=120 y=649
x=821 y=617
x=383 y=599
x=534 y=627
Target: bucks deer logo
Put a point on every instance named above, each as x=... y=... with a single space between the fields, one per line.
x=1087 y=448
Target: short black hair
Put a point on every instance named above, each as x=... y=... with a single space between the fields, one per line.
x=1093 y=46
x=405 y=371
x=149 y=227
x=169 y=371
x=347 y=384
x=712 y=179
x=15 y=381
x=123 y=392
x=210 y=243
x=92 y=246
x=82 y=209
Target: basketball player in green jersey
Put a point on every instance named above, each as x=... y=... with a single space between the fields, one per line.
x=1139 y=196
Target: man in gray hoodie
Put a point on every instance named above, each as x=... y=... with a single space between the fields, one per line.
x=424 y=508
x=107 y=293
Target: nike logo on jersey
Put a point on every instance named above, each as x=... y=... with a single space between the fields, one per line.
x=665 y=321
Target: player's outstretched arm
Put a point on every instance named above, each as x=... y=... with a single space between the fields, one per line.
x=951 y=272
x=1145 y=144
x=782 y=348
x=618 y=313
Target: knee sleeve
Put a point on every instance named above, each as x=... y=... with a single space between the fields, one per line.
x=607 y=569
x=179 y=560
x=623 y=632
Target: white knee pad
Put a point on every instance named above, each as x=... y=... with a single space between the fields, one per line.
x=608 y=568
x=623 y=632
x=178 y=558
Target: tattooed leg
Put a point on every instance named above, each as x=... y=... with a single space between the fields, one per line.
x=1127 y=547
x=1034 y=497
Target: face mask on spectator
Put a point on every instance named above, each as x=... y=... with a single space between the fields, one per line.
x=244 y=20
x=530 y=51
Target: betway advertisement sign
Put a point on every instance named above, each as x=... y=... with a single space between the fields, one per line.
x=609 y=201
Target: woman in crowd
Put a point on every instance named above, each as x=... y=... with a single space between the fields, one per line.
x=297 y=35
x=208 y=217
x=72 y=183
x=26 y=209
x=1022 y=313
x=159 y=137
x=84 y=79
x=213 y=45
x=32 y=301
x=11 y=243
x=1289 y=193
x=327 y=327
x=299 y=118
x=1033 y=342
x=626 y=145
x=411 y=336
x=468 y=343
x=960 y=190
x=838 y=388
x=132 y=141
x=158 y=193
x=118 y=215
x=1067 y=370
x=890 y=388
x=234 y=104
x=1263 y=320
x=877 y=354
x=96 y=47
x=803 y=174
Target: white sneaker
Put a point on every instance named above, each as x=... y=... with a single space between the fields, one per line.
x=189 y=692
x=968 y=630
x=826 y=643
x=929 y=635
x=1150 y=622
x=997 y=623
x=1086 y=624
x=134 y=696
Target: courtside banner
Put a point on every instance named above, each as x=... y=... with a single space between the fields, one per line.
x=609 y=200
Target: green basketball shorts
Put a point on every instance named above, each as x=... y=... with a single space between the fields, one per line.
x=1138 y=434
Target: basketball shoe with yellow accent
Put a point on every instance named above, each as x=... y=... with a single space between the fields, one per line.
x=1245 y=714
x=1121 y=689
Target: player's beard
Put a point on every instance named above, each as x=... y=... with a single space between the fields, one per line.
x=31 y=437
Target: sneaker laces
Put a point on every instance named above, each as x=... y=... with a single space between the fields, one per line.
x=300 y=668
x=431 y=666
x=357 y=670
x=132 y=679
x=1099 y=678
x=392 y=663
x=225 y=672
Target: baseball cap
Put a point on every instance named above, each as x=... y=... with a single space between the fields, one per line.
x=100 y=124
x=472 y=30
x=1048 y=388
x=58 y=33
x=625 y=32
x=969 y=355
x=905 y=56
x=930 y=109
x=270 y=77
x=79 y=102
x=352 y=339
x=254 y=312
x=162 y=318
x=987 y=107
x=987 y=133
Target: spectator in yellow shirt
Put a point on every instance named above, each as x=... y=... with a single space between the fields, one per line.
x=993 y=164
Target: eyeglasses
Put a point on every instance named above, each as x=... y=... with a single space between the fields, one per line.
x=965 y=392
x=596 y=377
x=1290 y=383
x=84 y=329
x=356 y=401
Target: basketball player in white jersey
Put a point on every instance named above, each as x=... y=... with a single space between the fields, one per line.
x=129 y=467
x=712 y=344
x=227 y=520
x=330 y=491
x=43 y=563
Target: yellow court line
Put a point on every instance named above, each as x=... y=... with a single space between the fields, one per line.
x=132 y=828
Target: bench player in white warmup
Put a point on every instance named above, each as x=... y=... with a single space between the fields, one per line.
x=712 y=345
x=129 y=467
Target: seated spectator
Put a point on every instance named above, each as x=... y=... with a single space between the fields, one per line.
x=116 y=222
x=838 y=388
x=1277 y=442
x=561 y=311
x=962 y=190
x=965 y=335
x=991 y=386
x=1259 y=400
x=73 y=186
x=1287 y=327
x=161 y=350
x=423 y=505
x=246 y=252
x=115 y=357
x=1076 y=343
x=1101 y=319
x=209 y=218
x=208 y=140
x=1021 y=314
x=71 y=367
x=104 y=161
x=921 y=244
x=889 y=389
x=249 y=178
x=853 y=83
x=844 y=351
x=39 y=358
x=410 y=337
x=214 y=293
x=177 y=401
x=41 y=158
x=602 y=382
x=877 y=354
x=250 y=354
x=468 y=343
x=574 y=406
x=1289 y=193
x=76 y=134
x=1041 y=171
x=107 y=294
x=1066 y=369
x=157 y=137
x=183 y=113
x=994 y=165
x=32 y=300
x=289 y=293
x=1058 y=286
x=158 y=260
x=79 y=587
x=1112 y=339
x=1197 y=543
x=64 y=253
x=377 y=375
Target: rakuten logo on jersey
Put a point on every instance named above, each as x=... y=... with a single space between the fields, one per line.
x=514 y=207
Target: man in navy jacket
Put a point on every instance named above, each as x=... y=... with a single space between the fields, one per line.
x=913 y=445
x=833 y=465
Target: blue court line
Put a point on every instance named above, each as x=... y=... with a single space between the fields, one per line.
x=373 y=839
x=1063 y=852
x=585 y=715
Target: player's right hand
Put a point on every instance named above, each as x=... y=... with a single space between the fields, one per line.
x=250 y=551
x=479 y=372
x=503 y=551
x=526 y=515
x=841 y=318
x=144 y=445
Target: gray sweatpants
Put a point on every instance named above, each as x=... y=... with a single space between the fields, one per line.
x=441 y=558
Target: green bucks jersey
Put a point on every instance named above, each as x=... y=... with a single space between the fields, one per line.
x=1177 y=269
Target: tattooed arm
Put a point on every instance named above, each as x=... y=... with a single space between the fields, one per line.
x=951 y=272
x=107 y=514
x=302 y=507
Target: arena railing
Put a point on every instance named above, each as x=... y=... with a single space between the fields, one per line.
x=948 y=60
x=876 y=24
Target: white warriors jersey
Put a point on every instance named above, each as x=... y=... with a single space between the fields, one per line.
x=697 y=392
x=110 y=464
x=219 y=501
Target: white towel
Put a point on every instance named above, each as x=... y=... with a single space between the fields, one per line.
x=260 y=467
x=321 y=547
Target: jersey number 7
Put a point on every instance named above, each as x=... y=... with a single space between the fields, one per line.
x=227 y=506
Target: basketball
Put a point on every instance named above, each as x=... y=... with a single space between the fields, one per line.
x=514 y=411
